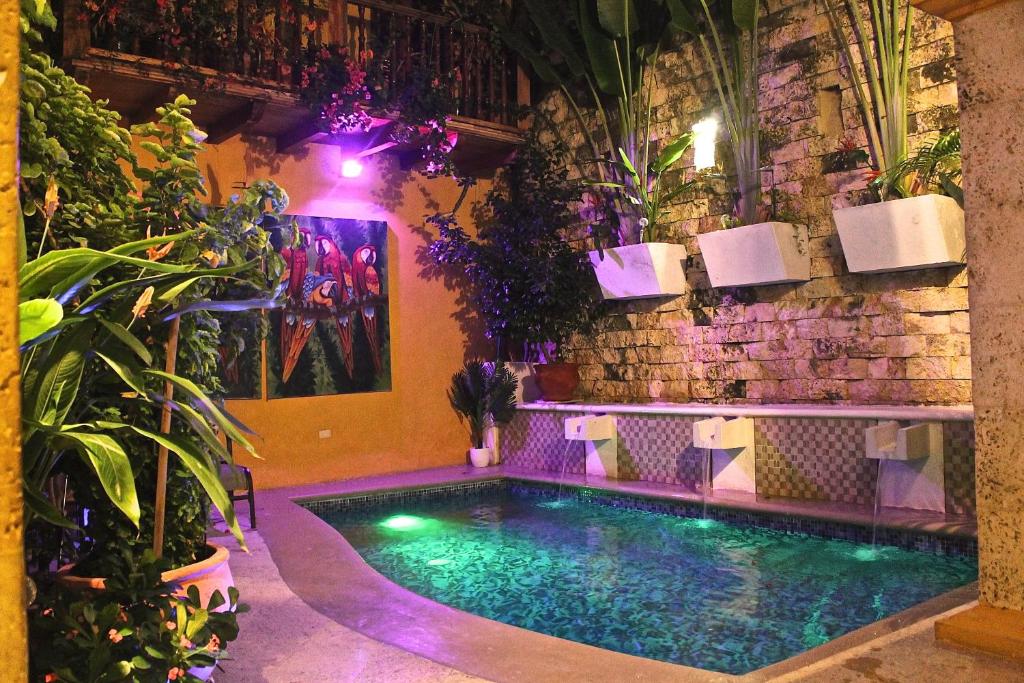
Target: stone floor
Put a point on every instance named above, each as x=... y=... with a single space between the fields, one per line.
x=284 y=640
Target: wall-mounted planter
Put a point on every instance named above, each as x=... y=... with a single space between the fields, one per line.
x=760 y=254
x=641 y=271
x=904 y=234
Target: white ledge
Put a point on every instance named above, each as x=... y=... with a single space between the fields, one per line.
x=960 y=413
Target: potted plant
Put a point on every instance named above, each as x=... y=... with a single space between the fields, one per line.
x=531 y=287
x=751 y=251
x=913 y=226
x=484 y=396
x=608 y=51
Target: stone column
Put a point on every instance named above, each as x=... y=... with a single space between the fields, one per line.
x=990 y=73
x=12 y=561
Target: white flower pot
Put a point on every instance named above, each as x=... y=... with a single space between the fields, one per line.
x=480 y=457
x=641 y=271
x=903 y=234
x=760 y=254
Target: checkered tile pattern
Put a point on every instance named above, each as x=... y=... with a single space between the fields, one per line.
x=958 y=438
x=815 y=459
x=536 y=441
x=805 y=458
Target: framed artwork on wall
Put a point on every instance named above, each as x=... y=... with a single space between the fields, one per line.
x=333 y=334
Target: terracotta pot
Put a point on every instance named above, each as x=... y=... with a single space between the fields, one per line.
x=207 y=575
x=557 y=381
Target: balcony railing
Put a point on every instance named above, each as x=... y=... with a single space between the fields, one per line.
x=265 y=41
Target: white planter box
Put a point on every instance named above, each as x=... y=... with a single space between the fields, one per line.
x=641 y=271
x=904 y=234
x=759 y=254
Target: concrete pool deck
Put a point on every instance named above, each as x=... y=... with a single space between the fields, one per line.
x=314 y=569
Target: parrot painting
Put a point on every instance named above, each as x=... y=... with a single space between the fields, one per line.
x=331 y=261
x=318 y=291
x=366 y=283
x=296 y=263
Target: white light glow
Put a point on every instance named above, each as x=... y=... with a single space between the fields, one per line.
x=705 y=133
x=351 y=168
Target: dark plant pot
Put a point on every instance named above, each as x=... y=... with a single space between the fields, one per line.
x=557 y=381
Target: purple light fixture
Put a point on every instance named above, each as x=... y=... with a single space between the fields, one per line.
x=351 y=168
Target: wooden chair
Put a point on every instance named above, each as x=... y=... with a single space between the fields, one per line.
x=236 y=478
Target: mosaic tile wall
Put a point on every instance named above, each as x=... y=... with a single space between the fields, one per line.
x=805 y=458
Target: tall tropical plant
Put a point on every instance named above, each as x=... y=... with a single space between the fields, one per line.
x=730 y=52
x=884 y=44
x=483 y=394
x=602 y=54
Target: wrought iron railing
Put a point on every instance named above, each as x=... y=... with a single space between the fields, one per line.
x=265 y=41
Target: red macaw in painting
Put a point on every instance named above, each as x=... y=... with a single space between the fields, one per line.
x=318 y=291
x=366 y=283
x=296 y=261
x=332 y=261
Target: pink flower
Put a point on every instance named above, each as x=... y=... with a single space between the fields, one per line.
x=175 y=673
x=114 y=635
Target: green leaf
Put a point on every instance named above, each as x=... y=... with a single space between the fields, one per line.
x=37 y=317
x=672 y=152
x=112 y=467
x=127 y=374
x=208 y=407
x=49 y=401
x=600 y=51
x=40 y=506
x=124 y=335
x=682 y=18
x=628 y=164
x=744 y=14
x=555 y=35
x=618 y=17
x=206 y=472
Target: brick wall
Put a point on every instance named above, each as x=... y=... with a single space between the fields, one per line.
x=842 y=337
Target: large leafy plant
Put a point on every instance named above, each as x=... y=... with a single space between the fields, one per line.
x=602 y=54
x=531 y=287
x=126 y=251
x=137 y=629
x=883 y=44
x=727 y=33
x=483 y=394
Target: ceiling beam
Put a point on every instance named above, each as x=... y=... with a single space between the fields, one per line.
x=249 y=114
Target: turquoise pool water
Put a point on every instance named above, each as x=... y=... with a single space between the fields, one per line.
x=689 y=591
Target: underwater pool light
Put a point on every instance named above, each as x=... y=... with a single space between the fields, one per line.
x=438 y=562
x=403 y=522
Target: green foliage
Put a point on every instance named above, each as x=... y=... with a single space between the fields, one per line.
x=729 y=45
x=483 y=393
x=92 y=391
x=935 y=168
x=884 y=50
x=606 y=50
x=528 y=283
x=134 y=630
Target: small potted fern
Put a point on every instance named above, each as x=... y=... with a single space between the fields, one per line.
x=484 y=395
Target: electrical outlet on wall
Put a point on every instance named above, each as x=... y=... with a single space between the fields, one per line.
x=324 y=433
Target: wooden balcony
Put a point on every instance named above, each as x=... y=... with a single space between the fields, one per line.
x=247 y=81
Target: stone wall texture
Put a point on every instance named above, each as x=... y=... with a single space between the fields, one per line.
x=898 y=338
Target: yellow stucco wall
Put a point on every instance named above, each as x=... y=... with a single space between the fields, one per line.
x=12 y=563
x=411 y=426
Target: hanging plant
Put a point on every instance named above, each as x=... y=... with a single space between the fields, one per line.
x=334 y=86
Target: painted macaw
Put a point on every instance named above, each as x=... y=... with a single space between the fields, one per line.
x=317 y=291
x=296 y=263
x=366 y=283
x=332 y=261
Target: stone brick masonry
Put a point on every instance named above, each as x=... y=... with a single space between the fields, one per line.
x=842 y=337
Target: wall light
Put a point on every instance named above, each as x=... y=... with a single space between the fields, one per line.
x=705 y=134
x=351 y=168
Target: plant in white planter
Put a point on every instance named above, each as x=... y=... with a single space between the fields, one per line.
x=919 y=222
x=750 y=252
x=483 y=395
x=608 y=55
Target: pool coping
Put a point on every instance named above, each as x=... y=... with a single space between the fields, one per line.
x=955 y=413
x=314 y=560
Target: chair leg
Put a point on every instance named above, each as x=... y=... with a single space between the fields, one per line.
x=252 y=500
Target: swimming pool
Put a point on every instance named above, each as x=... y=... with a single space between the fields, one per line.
x=720 y=596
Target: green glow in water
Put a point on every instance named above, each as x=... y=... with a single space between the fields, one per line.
x=866 y=554
x=701 y=523
x=404 y=523
x=438 y=562
x=554 y=504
